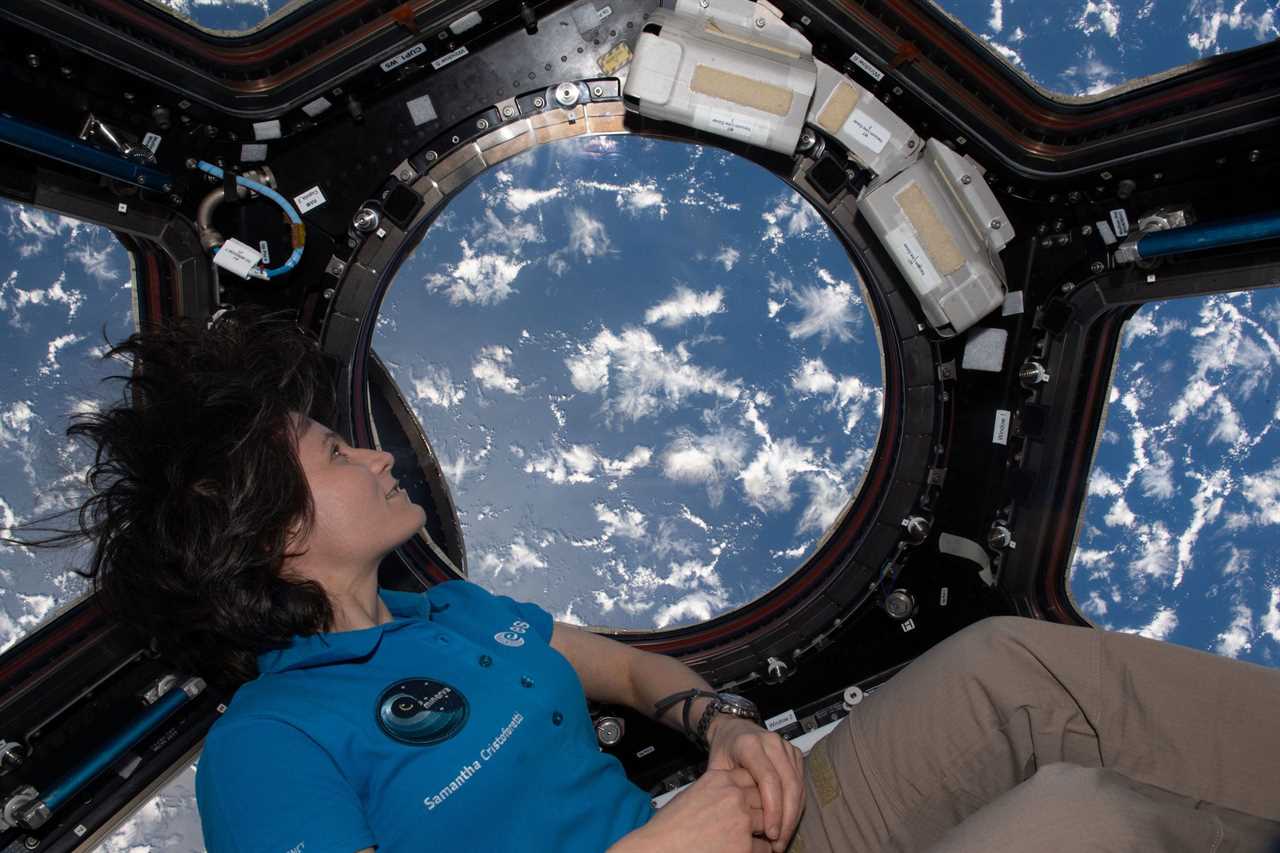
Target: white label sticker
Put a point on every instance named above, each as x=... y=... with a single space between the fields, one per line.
x=1000 y=435
x=253 y=152
x=437 y=64
x=1120 y=221
x=1013 y=304
x=403 y=56
x=910 y=254
x=944 y=597
x=122 y=208
x=421 y=110
x=236 y=258
x=781 y=721
x=605 y=12
x=873 y=72
x=728 y=124
x=909 y=625
x=466 y=22
x=316 y=107
x=1104 y=231
x=151 y=141
x=648 y=750
x=309 y=200
x=866 y=131
x=265 y=251
x=266 y=129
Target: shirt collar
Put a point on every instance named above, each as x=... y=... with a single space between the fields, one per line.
x=342 y=646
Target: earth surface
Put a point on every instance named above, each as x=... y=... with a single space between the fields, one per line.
x=668 y=348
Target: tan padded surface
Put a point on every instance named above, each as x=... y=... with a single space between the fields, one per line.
x=741 y=90
x=934 y=236
x=838 y=108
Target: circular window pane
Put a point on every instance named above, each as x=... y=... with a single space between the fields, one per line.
x=650 y=374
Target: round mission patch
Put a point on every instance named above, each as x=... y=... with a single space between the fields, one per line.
x=421 y=711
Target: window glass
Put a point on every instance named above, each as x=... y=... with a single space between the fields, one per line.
x=1089 y=47
x=1179 y=531
x=61 y=283
x=649 y=372
x=230 y=17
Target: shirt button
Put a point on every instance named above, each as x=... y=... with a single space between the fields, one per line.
x=526 y=681
x=486 y=661
x=557 y=718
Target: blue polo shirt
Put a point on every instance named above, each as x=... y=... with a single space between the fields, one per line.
x=454 y=726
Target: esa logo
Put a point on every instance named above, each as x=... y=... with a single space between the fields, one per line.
x=513 y=636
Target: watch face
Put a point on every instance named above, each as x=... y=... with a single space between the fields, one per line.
x=739 y=705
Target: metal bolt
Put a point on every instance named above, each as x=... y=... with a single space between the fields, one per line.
x=807 y=139
x=1255 y=155
x=129 y=96
x=609 y=730
x=209 y=130
x=1053 y=198
x=405 y=175
x=960 y=140
x=365 y=220
x=33 y=60
x=1000 y=537
x=760 y=23
x=899 y=604
x=1059 y=224
x=598 y=91
x=65 y=71
x=175 y=198
x=1033 y=373
x=431 y=156
x=1042 y=229
x=966 y=180
x=916 y=527
x=1158 y=176
x=566 y=94
x=1106 y=176
x=1097 y=267
x=1046 y=243
x=328 y=292
x=897 y=90
x=1073 y=196
x=1086 y=230
x=1062 y=240
x=31 y=842
x=508 y=112
x=539 y=102
x=482 y=124
x=996 y=225
x=776 y=671
x=1068 y=286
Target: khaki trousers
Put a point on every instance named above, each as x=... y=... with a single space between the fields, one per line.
x=1021 y=735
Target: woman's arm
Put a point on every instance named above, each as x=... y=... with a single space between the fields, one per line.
x=616 y=673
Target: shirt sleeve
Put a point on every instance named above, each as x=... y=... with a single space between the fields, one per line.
x=474 y=595
x=263 y=786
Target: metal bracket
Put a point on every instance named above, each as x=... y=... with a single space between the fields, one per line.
x=405 y=173
x=336 y=267
x=947 y=370
x=937 y=476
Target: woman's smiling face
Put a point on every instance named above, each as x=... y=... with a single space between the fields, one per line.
x=361 y=514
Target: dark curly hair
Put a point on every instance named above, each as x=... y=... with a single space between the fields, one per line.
x=197 y=486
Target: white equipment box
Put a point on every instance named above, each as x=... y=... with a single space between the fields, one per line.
x=944 y=228
x=872 y=132
x=728 y=67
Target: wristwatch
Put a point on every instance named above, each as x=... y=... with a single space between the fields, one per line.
x=726 y=703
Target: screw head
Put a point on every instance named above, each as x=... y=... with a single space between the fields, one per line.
x=508 y=112
x=911 y=143
x=1086 y=230
x=1255 y=155
x=960 y=140
x=1097 y=267
x=1073 y=196
x=328 y=293
x=365 y=220
x=966 y=180
x=539 y=102
x=597 y=91
x=482 y=124
x=431 y=156
x=760 y=23
x=33 y=60
x=1106 y=176
x=996 y=224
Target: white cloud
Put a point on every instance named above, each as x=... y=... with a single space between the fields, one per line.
x=490 y=369
x=638 y=377
x=695 y=607
x=684 y=305
x=578 y=463
x=1102 y=15
x=1156 y=553
x=518 y=559
x=55 y=346
x=478 y=279
x=587 y=235
x=711 y=460
x=1096 y=605
x=1271 y=619
x=851 y=396
x=1213 y=16
x=1207 y=504
x=728 y=257
x=1103 y=485
x=436 y=388
x=1263 y=491
x=520 y=199
x=633 y=197
x=626 y=522
x=96 y=262
x=828 y=313
x=789 y=217
x=996 y=21
x=1157 y=476
x=767 y=480
x=827 y=497
x=813 y=377
x=1092 y=76
x=1160 y=626
x=1120 y=515
x=1238 y=636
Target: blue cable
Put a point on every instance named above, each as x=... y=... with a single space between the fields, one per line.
x=267 y=192
x=1209 y=236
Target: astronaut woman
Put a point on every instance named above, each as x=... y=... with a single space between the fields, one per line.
x=233 y=525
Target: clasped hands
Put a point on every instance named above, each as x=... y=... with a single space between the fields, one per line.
x=774 y=766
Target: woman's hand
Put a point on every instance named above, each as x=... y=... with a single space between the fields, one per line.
x=716 y=814
x=776 y=766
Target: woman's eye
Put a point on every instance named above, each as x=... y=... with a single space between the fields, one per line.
x=333 y=452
